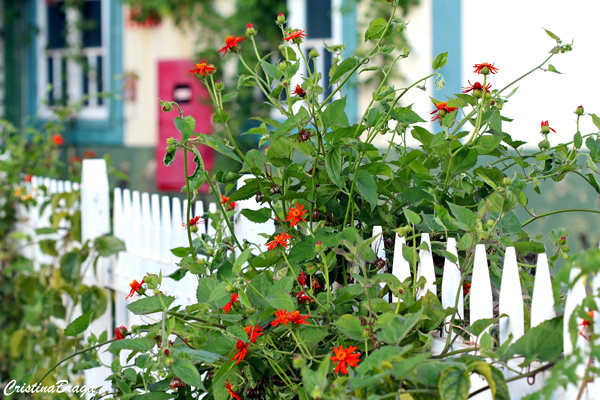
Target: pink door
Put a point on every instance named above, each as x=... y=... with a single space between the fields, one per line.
x=176 y=84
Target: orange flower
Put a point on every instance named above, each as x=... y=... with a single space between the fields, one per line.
x=299 y=91
x=28 y=177
x=89 y=154
x=280 y=240
x=232 y=394
x=283 y=317
x=224 y=199
x=242 y=350
x=234 y=299
x=119 y=332
x=135 y=286
x=466 y=288
x=586 y=322
x=231 y=44
x=296 y=318
x=485 y=68
x=296 y=34
x=345 y=357
x=442 y=109
x=476 y=86
x=203 y=69
x=58 y=139
x=254 y=332
x=295 y=214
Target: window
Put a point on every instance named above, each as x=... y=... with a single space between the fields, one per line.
x=323 y=24
x=72 y=56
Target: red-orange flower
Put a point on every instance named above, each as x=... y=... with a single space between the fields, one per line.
x=296 y=318
x=89 y=154
x=242 y=350
x=203 y=69
x=296 y=214
x=548 y=129
x=279 y=240
x=476 y=86
x=282 y=318
x=302 y=279
x=466 y=288
x=586 y=322
x=58 y=139
x=442 y=109
x=298 y=91
x=231 y=44
x=232 y=394
x=234 y=299
x=296 y=34
x=28 y=177
x=225 y=200
x=485 y=68
x=135 y=286
x=119 y=332
x=254 y=332
x=345 y=357
x=302 y=298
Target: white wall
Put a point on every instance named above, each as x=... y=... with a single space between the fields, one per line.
x=509 y=33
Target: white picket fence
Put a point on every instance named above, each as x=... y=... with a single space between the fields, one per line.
x=151 y=226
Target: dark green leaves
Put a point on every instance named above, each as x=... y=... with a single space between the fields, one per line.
x=143 y=344
x=221 y=116
x=270 y=70
x=454 y=384
x=543 y=343
x=149 y=305
x=186 y=371
x=398 y=327
x=108 y=245
x=366 y=187
x=197 y=178
x=335 y=114
x=465 y=218
x=80 y=324
x=333 y=166
x=376 y=28
x=440 y=61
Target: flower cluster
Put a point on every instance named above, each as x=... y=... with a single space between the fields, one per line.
x=234 y=299
x=279 y=240
x=135 y=287
x=230 y=205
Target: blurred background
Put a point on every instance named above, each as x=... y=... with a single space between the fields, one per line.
x=111 y=61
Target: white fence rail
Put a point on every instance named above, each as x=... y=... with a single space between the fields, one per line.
x=151 y=225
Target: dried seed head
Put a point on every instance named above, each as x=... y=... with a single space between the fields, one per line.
x=275 y=189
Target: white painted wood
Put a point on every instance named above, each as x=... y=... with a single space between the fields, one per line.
x=118 y=213
x=451 y=283
x=136 y=223
x=129 y=235
x=199 y=212
x=166 y=228
x=179 y=234
x=400 y=267
x=482 y=306
x=156 y=233
x=542 y=301
x=146 y=222
x=425 y=268
x=575 y=297
x=511 y=299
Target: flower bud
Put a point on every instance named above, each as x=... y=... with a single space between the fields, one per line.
x=167 y=352
x=484 y=70
x=565 y=256
x=166 y=106
x=319 y=246
x=579 y=110
x=545 y=129
x=280 y=19
x=170 y=140
x=506 y=181
x=298 y=361
x=544 y=145
x=311 y=269
x=194 y=228
x=250 y=31
x=400 y=27
x=229 y=288
x=490 y=223
x=565 y=249
x=562 y=240
x=366 y=333
x=313 y=53
x=219 y=85
x=477 y=93
x=442 y=113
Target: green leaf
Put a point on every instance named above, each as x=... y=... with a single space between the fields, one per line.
x=406 y=115
x=596 y=120
x=346 y=66
x=298 y=119
x=440 y=61
x=333 y=166
x=552 y=69
x=577 y=140
x=544 y=343
x=80 y=324
x=529 y=247
x=412 y=216
x=552 y=35
x=350 y=326
x=186 y=371
x=155 y=396
x=218 y=145
x=335 y=114
x=487 y=143
x=149 y=305
x=169 y=157
x=108 y=245
x=245 y=192
x=201 y=356
x=181 y=251
x=259 y=216
x=366 y=187
x=185 y=126
x=454 y=384
x=376 y=27
x=465 y=218
x=221 y=117
x=397 y=329
x=197 y=178
x=143 y=344
x=281 y=300
x=270 y=70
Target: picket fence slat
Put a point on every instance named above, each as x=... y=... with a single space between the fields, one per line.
x=166 y=228
x=511 y=299
x=400 y=267
x=542 y=301
x=482 y=301
x=451 y=279
x=425 y=268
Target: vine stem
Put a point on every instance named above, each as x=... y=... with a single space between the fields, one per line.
x=514 y=378
x=222 y=210
x=530 y=220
